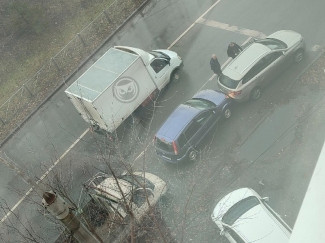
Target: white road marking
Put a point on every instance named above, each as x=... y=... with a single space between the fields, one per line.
x=142 y=153
x=200 y=20
x=212 y=77
x=44 y=175
x=232 y=28
x=215 y=24
x=191 y=26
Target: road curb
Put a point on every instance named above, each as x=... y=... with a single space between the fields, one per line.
x=73 y=73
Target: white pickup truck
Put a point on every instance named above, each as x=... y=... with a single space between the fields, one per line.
x=119 y=82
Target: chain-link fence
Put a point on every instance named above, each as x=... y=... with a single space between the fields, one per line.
x=54 y=73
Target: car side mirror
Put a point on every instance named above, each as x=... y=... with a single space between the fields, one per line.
x=266 y=199
x=167 y=61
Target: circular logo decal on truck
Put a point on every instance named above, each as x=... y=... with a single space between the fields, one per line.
x=126 y=89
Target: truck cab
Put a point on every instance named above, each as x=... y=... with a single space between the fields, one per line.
x=160 y=63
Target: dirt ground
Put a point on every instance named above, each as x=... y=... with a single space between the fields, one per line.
x=31 y=33
x=315 y=75
x=27 y=42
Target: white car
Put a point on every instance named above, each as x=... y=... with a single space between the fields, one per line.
x=138 y=191
x=264 y=59
x=243 y=216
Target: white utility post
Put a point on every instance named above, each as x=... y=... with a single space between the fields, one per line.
x=60 y=210
x=56 y=206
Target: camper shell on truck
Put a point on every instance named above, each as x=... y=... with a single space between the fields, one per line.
x=119 y=82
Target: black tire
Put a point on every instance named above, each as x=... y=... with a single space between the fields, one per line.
x=172 y=80
x=227 y=113
x=298 y=56
x=193 y=154
x=255 y=93
x=174 y=76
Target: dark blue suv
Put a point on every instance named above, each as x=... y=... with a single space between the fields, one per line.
x=180 y=135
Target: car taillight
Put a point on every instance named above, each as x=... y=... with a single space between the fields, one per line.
x=175 y=148
x=234 y=94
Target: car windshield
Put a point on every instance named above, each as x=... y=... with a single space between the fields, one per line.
x=273 y=44
x=134 y=179
x=158 y=54
x=228 y=82
x=239 y=209
x=200 y=104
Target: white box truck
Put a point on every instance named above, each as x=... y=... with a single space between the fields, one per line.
x=119 y=82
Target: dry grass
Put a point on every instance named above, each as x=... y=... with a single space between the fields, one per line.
x=26 y=54
x=314 y=77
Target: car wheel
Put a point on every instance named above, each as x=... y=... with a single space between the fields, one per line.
x=227 y=113
x=193 y=154
x=299 y=55
x=256 y=93
x=174 y=76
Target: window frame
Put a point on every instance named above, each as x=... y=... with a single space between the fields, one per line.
x=197 y=123
x=233 y=234
x=186 y=130
x=159 y=67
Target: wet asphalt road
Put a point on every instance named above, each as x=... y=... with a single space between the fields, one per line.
x=275 y=140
